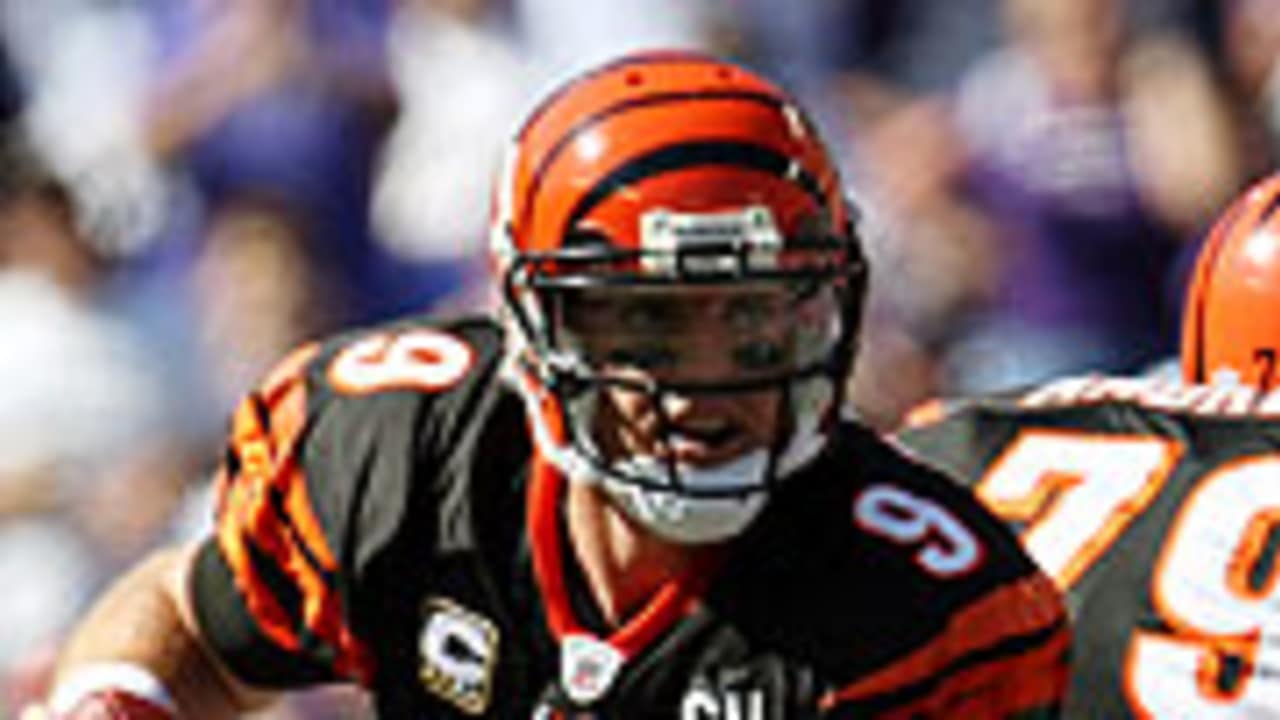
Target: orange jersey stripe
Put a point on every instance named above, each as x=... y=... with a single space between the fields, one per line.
x=288 y=418
x=269 y=483
x=322 y=607
x=1029 y=681
x=238 y=511
x=1024 y=607
x=290 y=369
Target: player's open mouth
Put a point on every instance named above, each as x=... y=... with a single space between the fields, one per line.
x=706 y=443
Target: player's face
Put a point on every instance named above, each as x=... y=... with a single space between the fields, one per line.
x=672 y=339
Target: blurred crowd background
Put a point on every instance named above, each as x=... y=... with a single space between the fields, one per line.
x=190 y=187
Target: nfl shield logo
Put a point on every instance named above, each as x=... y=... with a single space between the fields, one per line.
x=587 y=668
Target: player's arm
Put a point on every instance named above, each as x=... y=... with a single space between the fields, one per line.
x=998 y=639
x=1006 y=655
x=181 y=626
x=140 y=647
x=1022 y=667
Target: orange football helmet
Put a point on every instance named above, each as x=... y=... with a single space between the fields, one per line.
x=1231 y=321
x=665 y=170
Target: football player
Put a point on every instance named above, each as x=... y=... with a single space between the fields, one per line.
x=632 y=497
x=1155 y=503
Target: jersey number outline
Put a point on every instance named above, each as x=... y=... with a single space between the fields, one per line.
x=1076 y=492
x=948 y=549
x=1224 y=531
x=418 y=359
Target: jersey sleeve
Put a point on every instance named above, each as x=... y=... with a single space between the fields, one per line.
x=319 y=467
x=1006 y=654
x=993 y=636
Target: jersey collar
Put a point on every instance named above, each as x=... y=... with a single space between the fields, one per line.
x=588 y=662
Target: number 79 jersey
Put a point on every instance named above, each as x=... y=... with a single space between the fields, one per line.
x=1156 y=506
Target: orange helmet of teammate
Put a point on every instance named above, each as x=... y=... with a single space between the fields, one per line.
x=669 y=170
x=1231 y=321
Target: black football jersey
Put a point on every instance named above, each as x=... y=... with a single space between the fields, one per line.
x=1156 y=505
x=383 y=519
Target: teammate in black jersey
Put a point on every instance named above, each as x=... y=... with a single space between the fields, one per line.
x=631 y=497
x=1155 y=503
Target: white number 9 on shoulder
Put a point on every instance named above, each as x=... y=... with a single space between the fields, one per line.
x=421 y=359
x=947 y=548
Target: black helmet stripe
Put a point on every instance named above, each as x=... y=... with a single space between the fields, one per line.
x=694 y=154
x=590 y=121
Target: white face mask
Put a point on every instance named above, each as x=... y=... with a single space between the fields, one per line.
x=680 y=517
x=686 y=503
x=691 y=519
